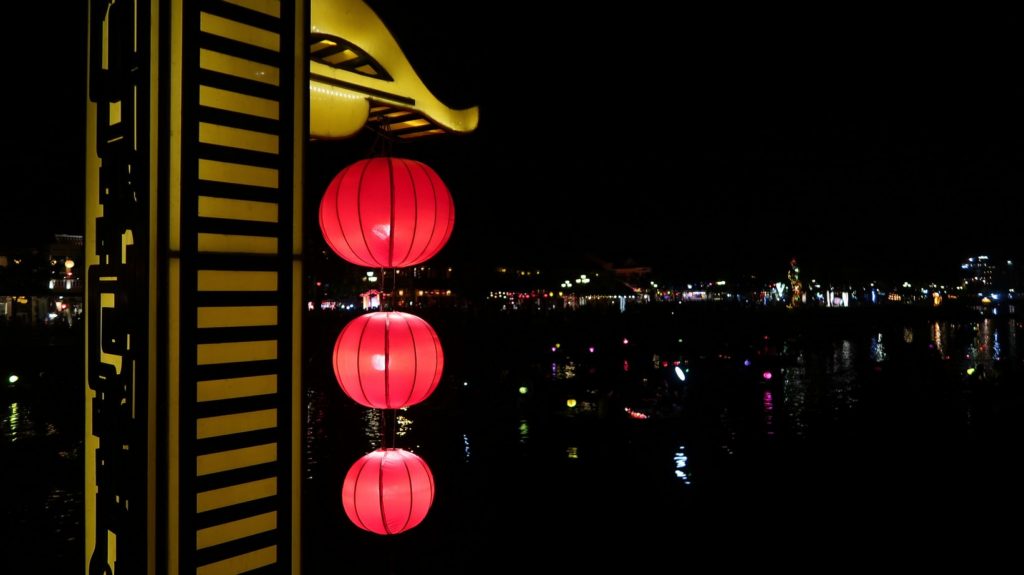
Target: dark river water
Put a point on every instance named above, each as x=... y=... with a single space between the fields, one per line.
x=662 y=438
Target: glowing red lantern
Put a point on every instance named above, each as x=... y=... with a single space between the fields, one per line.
x=387 y=212
x=388 y=491
x=388 y=360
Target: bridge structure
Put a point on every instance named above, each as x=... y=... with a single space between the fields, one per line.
x=199 y=112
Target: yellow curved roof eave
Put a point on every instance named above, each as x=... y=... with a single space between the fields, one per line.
x=338 y=89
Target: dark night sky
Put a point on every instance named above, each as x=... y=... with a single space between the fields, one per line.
x=700 y=142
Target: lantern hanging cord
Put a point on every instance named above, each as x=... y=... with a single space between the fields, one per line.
x=388 y=428
x=394 y=427
x=381 y=145
x=394 y=288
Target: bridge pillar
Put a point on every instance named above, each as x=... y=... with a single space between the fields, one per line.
x=196 y=125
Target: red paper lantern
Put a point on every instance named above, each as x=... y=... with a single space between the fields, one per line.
x=388 y=360
x=387 y=212
x=388 y=491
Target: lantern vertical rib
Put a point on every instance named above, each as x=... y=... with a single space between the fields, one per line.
x=380 y=493
x=412 y=495
x=415 y=211
x=391 y=220
x=438 y=359
x=433 y=196
x=359 y=210
x=332 y=200
x=349 y=243
x=415 y=363
x=387 y=358
x=424 y=471
x=433 y=191
x=359 y=353
x=362 y=463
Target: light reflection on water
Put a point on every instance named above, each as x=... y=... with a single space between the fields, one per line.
x=939 y=337
x=315 y=431
x=404 y=424
x=41 y=508
x=768 y=403
x=372 y=428
x=877 y=348
x=564 y=370
x=680 y=459
x=842 y=383
x=518 y=433
x=1011 y=338
x=794 y=392
x=817 y=385
x=825 y=391
x=980 y=353
x=374 y=425
x=18 y=422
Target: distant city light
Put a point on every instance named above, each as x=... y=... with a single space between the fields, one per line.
x=570 y=402
x=13 y=378
x=680 y=374
x=634 y=414
x=522 y=390
x=767 y=375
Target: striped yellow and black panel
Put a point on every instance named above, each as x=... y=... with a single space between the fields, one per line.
x=236 y=198
x=241 y=473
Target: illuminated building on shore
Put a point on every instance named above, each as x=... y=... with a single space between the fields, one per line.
x=42 y=286
x=982 y=273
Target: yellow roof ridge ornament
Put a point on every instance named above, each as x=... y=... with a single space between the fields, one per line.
x=359 y=75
